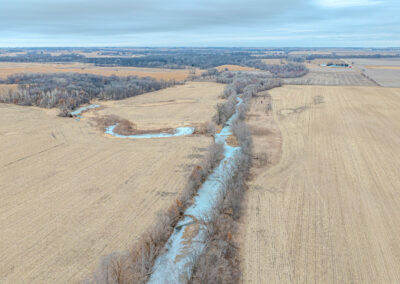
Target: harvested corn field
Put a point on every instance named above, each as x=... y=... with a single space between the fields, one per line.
x=71 y=194
x=328 y=211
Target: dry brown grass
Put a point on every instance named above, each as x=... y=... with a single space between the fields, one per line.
x=331 y=77
x=206 y=128
x=234 y=68
x=124 y=126
x=71 y=194
x=182 y=105
x=4 y=88
x=9 y=68
x=274 y=61
x=328 y=211
x=383 y=67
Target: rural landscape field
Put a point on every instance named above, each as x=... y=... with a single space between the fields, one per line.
x=327 y=211
x=62 y=175
x=191 y=142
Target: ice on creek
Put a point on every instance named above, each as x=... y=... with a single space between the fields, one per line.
x=180 y=131
x=182 y=248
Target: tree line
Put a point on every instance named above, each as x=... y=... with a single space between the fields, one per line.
x=69 y=90
x=173 y=59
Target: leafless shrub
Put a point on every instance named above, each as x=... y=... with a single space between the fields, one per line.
x=225 y=110
x=64 y=112
x=219 y=263
x=229 y=91
x=318 y=100
x=111 y=270
x=242 y=110
x=125 y=127
x=268 y=108
x=243 y=134
x=261 y=159
x=260 y=131
x=207 y=128
x=105 y=121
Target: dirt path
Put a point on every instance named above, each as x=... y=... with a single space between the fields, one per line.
x=329 y=211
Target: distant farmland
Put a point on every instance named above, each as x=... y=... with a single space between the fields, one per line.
x=9 y=68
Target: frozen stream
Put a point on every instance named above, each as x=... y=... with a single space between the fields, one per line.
x=78 y=111
x=180 y=131
x=187 y=240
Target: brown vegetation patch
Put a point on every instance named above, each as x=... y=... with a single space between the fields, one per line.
x=234 y=68
x=232 y=141
x=383 y=67
x=10 y=68
x=124 y=126
x=260 y=131
x=267 y=140
x=169 y=102
x=206 y=128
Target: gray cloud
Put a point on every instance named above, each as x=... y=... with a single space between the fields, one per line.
x=182 y=22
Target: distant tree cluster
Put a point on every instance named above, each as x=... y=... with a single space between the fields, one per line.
x=173 y=59
x=290 y=70
x=178 y=58
x=246 y=83
x=69 y=90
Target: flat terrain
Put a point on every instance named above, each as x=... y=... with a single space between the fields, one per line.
x=371 y=62
x=9 y=68
x=234 y=68
x=70 y=194
x=182 y=105
x=328 y=211
x=331 y=77
x=385 y=71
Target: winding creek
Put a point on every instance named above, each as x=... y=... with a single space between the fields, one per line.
x=187 y=241
x=175 y=264
x=180 y=131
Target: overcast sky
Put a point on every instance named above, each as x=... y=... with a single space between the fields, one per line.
x=363 y=23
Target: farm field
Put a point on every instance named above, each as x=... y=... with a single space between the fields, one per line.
x=71 y=194
x=376 y=62
x=182 y=105
x=234 y=68
x=386 y=72
x=384 y=77
x=328 y=211
x=330 y=77
x=9 y=68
